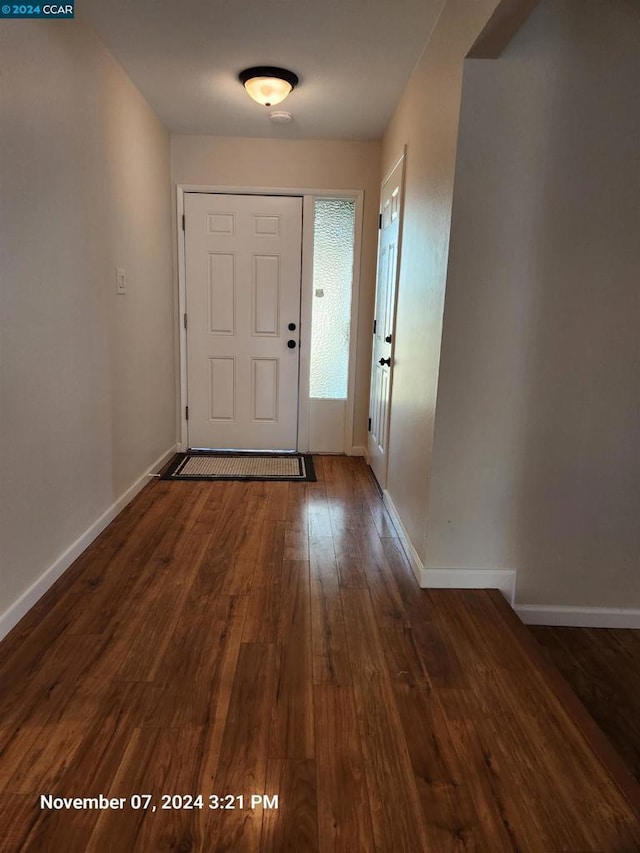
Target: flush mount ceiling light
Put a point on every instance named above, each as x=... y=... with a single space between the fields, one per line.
x=266 y=85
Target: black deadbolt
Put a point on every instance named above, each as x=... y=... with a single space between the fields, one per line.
x=388 y=339
x=292 y=327
x=291 y=344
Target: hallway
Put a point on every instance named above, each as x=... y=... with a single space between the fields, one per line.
x=270 y=638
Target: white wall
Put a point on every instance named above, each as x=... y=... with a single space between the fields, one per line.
x=536 y=460
x=426 y=119
x=310 y=164
x=87 y=393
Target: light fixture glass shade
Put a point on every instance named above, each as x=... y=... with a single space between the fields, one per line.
x=268 y=91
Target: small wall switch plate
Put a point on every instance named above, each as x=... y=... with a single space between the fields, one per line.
x=121 y=281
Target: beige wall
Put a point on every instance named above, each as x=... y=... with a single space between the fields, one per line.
x=426 y=120
x=303 y=164
x=87 y=382
x=536 y=461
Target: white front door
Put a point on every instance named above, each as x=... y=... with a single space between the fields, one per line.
x=384 y=324
x=242 y=259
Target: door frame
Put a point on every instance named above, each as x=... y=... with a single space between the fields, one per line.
x=308 y=196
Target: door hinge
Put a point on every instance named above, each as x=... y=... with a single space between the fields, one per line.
x=379 y=222
x=186 y=413
x=369 y=425
x=374 y=326
x=185 y=321
x=183 y=222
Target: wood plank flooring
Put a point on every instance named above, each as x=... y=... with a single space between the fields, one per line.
x=602 y=666
x=270 y=639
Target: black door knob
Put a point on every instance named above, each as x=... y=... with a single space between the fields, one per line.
x=291 y=344
x=386 y=361
x=388 y=339
x=292 y=327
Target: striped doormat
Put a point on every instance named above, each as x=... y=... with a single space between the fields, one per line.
x=210 y=465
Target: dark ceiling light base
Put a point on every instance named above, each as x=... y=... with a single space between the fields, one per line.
x=269 y=71
x=268 y=85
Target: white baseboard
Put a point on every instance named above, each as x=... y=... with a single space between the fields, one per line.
x=505 y=581
x=502 y=579
x=578 y=617
x=356 y=450
x=30 y=596
x=412 y=555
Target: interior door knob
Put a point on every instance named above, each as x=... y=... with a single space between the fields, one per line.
x=384 y=361
x=291 y=344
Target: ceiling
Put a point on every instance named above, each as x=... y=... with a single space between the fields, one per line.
x=353 y=58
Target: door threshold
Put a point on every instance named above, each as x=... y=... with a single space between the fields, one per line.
x=237 y=450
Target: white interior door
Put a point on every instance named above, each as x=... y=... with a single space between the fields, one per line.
x=384 y=324
x=242 y=260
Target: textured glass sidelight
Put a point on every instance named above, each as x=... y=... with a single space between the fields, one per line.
x=331 y=316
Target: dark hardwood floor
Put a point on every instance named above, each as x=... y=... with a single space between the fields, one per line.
x=270 y=639
x=602 y=667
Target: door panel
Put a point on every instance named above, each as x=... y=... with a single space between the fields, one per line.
x=222 y=293
x=264 y=389
x=221 y=389
x=242 y=256
x=384 y=327
x=266 y=295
